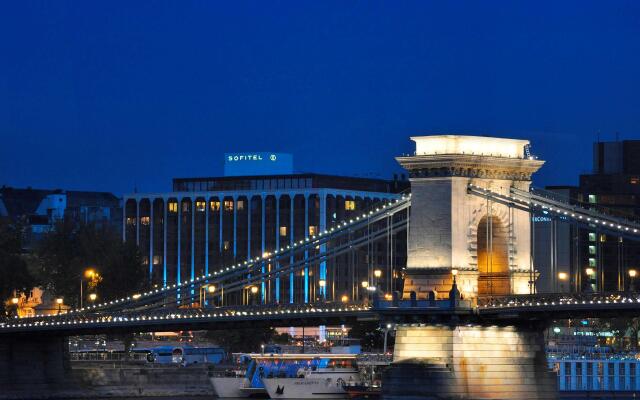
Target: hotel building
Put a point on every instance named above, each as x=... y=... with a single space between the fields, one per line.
x=204 y=224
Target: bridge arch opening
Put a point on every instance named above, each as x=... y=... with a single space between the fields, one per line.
x=493 y=257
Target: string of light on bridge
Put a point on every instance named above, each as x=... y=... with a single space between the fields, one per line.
x=177 y=316
x=267 y=257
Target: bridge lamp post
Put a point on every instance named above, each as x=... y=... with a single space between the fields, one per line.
x=322 y=283
x=93 y=297
x=253 y=290
x=344 y=298
x=203 y=293
x=365 y=286
x=562 y=277
x=590 y=273
x=59 y=301
x=632 y=278
x=377 y=274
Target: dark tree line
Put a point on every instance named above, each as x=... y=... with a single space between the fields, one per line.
x=59 y=260
x=14 y=269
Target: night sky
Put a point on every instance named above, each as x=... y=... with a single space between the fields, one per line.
x=115 y=95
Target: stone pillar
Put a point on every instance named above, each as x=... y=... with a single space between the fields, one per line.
x=469 y=362
x=33 y=360
x=446 y=225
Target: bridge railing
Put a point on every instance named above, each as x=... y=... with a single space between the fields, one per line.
x=559 y=299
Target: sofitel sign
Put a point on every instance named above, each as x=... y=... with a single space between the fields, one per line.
x=258 y=163
x=250 y=157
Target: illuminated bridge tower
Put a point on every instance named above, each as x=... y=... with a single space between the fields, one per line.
x=487 y=243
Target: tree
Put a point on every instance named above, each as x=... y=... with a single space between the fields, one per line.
x=14 y=271
x=71 y=248
x=281 y=338
x=242 y=340
x=371 y=335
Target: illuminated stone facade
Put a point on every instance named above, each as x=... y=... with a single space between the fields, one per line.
x=444 y=229
x=469 y=362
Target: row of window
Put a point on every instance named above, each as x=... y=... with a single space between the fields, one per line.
x=243 y=184
x=228 y=205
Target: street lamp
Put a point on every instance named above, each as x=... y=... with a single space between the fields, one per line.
x=365 y=284
x=93 y=297
x=203 y=293
x=251 y=292
x=344 y=298
x=562 y=277
x=386 y=331
x=15 y=301
x=632 y=276
x=89 y=273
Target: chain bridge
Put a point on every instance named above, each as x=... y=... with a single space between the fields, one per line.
x=467 y=293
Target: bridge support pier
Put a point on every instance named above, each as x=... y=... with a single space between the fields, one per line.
x=469 y=362
x=33 y=360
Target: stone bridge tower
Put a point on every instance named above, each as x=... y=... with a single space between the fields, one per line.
x=449 y=229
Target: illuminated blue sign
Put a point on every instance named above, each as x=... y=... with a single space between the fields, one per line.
x=248 y=164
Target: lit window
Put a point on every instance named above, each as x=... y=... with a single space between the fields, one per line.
x=200 y=205
x=173 y=207
x=592 y=249
x=592 y=262
x=603 y=237
x=283 y=231
x=145 y=220
x=635 y=180
x=214 y=205
x=228 y=205
x=349 y=205
x=156 y=260
x=592 y=236
x=145 y=260
x=313 y=230
x=131 y=221
x=240 y=205
x=592 y=198
x=226 y=245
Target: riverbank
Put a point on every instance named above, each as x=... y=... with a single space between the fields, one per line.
x=107 y=382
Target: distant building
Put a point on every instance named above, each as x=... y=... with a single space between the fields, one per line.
x=35 y=302
x=39 y=209
x=207 y=223
x=557 y=257
x=613 y=187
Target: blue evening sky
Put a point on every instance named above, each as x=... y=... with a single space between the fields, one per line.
x=109 y=95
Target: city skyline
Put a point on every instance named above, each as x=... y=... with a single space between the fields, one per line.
x=96 y=98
